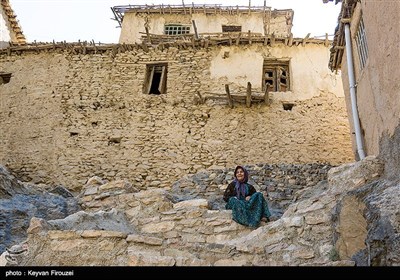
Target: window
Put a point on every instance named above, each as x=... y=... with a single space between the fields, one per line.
x=156 y=79
x=276 y=74
x=231 y=28
x=361 y=41
x=176 y=29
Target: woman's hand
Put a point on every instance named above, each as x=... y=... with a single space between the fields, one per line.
x=247 y=198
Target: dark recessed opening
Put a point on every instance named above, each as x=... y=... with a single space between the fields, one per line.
x=5 y=78
x=155 y=83
x=73 y=133
x=287 y=106
x=114 y=140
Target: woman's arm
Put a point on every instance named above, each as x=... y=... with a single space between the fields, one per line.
x=252 y=191
x=229 y=192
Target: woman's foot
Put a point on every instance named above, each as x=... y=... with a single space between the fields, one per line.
x=265 y=219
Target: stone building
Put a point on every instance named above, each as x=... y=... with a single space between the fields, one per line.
x=201 y=20
x=370 y=81
x=371 y=59
x=170 y=105
x=10 y=30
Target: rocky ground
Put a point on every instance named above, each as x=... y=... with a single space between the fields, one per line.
x=345 y=215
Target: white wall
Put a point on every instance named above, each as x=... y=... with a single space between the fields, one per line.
x=309 y=72
x=4 y=31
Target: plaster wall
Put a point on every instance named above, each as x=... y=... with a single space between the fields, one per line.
x=4 y=31
x=134 y=23
x=378 y=87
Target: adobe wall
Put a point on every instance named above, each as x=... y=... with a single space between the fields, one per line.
x=378 y=87
x=67 y=116
x=134 y=23
x=4 y=32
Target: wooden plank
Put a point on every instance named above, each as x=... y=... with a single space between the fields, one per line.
x=290 y=43
x=163 y=80
x=195 y=29
x=303 y=43
x=230 y=103
x=326 y=40
x=238 y=39
x=248 y=95
x=183 y=5
x=266 y=95
x=273 y=39
x=148 y=34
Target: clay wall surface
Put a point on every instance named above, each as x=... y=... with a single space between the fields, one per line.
x=68 y=116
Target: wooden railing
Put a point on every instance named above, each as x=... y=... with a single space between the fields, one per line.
x=244 y=98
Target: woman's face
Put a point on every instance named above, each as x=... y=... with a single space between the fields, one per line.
x=240 y=174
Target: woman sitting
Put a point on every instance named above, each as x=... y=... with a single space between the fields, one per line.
x=248 y=206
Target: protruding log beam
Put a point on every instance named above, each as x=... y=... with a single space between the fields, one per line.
x=248 y=95
x=230 y=102
x=266 y=95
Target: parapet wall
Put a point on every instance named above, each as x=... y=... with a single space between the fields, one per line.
x=66 y=116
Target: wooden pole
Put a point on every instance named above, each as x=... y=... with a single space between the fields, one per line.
x=183 y=5
x=230 y=103
x=248 y=95
x=147 y=34
x=195 y=29
x=266 y=94
x=326 y=40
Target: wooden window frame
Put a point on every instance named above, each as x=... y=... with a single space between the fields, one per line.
x=361 y=42
x=280 y=78
x=231 y=28
x=176 y=29
x=151 y=69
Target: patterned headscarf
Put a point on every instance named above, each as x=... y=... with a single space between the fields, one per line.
x=240 y=187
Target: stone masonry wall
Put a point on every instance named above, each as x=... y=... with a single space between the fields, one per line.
x=322 y=229
x=67 y=116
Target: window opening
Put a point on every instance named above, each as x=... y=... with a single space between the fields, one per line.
x=362 y=47
x=276 y=74
x=231 y=28
x=176 y=29
x=156 y=79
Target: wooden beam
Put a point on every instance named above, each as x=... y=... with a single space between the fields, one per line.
x=273 y=39
x=266 y=95
x=193 y=41
x=326 y=40
x=248 y=95
x=195 y=29
x=148 y=34
x=303 y=43
x=238 y=38
x=183 y=5
x=230 y=102
x=290 y=43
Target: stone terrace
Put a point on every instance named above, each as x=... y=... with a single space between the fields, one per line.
x=188 y=233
